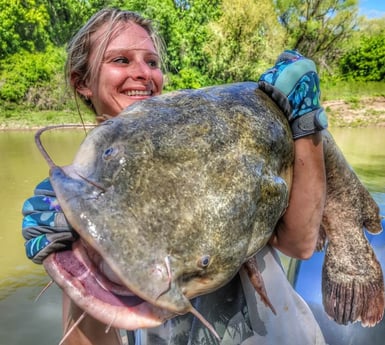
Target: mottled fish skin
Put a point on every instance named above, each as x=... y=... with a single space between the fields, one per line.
x=352 y=283
x=180 y=190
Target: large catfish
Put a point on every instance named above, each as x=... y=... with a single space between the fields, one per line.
x=175 y=194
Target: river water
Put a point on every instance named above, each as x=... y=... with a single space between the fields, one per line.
x=22 y=320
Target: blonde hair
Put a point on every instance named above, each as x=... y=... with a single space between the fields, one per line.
x=80 y=46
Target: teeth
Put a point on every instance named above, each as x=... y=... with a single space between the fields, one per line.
x=138 y=93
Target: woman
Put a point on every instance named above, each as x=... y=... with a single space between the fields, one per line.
x=114 y=61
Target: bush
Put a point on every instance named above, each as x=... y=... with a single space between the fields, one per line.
x=367 y=62
x=24 y=70
x=187 y=78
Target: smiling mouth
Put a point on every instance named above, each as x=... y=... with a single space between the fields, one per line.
x=138 y=93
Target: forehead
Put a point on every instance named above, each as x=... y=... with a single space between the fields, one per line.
x=125 y=35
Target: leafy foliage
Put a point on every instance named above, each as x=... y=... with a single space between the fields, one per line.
x=67 y=16
x=207 y=41
x=190 y=78
x=366 y=62
x=23 y=25
x=318 y=28
x=24 y=70
x=242 y=40
x=183 y=27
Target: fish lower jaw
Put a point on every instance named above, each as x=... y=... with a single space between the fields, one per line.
x=102 y=274
x=126 y=310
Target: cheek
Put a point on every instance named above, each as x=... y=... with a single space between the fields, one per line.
x=158 y=80
x=110 y=77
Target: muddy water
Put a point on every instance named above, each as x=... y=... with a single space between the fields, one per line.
x=24 y=321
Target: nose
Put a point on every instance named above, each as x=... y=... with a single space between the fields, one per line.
x=141 y=71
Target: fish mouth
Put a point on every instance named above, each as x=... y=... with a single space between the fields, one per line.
x=86 y=279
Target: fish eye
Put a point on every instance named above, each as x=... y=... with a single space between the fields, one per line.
x=106 y=123
x=204 y=261
x=110 y=153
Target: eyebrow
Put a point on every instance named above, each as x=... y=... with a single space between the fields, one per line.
x=128 y=50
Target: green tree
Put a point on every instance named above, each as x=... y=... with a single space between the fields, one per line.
x=367 y=61
x=23 y=25
x=318 y=28
x=245 y=38
x=183 y=27
x=371 y=26
x=24 y=70
x=67 y=16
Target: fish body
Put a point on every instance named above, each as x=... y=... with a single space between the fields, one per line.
x=175 y=194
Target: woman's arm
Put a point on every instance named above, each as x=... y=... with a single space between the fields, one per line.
x=89 y=331
x=297 y=232
x=293 y=84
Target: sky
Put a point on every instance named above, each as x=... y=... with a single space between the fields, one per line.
x=372 y=8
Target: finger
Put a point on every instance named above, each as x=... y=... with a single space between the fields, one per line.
x=41 y=219
x=289 y=55
x=37 y=224
x=35 y=245
x=40 y=203
x=38 y=248
x=45 y=188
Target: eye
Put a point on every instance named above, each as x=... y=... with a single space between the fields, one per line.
x=204 y=261
x=121 y=60
x=153 y=63
x=110 y=153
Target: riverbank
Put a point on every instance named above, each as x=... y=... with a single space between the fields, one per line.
x=35 y=119
x=356 y=112
x=362 y=112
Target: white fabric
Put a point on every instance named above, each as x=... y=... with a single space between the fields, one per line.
x=294 y=322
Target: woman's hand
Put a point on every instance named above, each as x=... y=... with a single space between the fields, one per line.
x=293 y=84
x=44 y=226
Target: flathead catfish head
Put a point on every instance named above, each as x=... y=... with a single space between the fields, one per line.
x=179 y=190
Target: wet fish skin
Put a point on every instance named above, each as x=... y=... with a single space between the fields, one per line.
x=180 y=190
x=175 y=187
x=352 y=277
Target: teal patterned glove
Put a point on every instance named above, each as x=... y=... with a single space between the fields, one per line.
x=293 y=84
x=44 y=226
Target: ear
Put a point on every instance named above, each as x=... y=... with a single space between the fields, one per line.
x=80 y=85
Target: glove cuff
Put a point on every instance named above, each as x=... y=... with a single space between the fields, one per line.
x=278 y=97
x=309 y=123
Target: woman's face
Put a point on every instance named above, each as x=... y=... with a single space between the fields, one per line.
x=129 y=72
